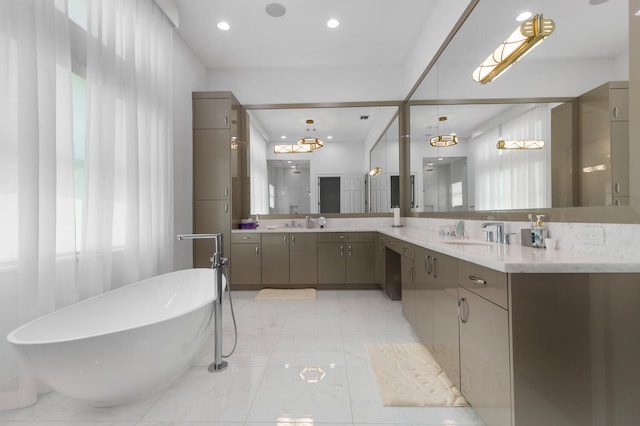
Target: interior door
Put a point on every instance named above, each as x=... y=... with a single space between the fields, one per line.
x=329 y=190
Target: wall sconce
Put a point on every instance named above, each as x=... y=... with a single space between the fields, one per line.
x=375 y=171
x=235 y=143
x=521 y=144
x=521 y=41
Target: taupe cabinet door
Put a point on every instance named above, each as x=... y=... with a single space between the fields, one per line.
x=360 y=260
x=246 y=264
x=210 y=216
x=484 y=358
x=212 y=164
x=303 y=258
x=275 y=258
x=331 y=263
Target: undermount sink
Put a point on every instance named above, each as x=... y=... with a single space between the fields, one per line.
x=467 y=242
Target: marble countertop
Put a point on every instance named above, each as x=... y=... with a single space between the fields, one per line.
x=504 y=258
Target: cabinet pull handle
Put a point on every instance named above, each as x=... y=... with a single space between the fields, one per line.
x=463 y=305
x=617 y=187
x=342 y=237
x=341 y=250
x=284 y=240
x=477 y=280
x=226 y=207
x=427 y=264
x=435 y=267
x=293 y=240
x=616 y=112
x=349 y=248
x=411 y=275
x=226 y=191
x=257 y=251
x=245 y=238
x=226 y=121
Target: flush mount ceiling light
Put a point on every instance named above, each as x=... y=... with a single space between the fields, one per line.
x=520 y=144
x=444 y=140
x=223 y=26
x=333 y=23
x=529 y=34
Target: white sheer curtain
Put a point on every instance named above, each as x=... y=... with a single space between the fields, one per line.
x=512 y=179
x=128 y=201
x=129 y=198
x=37 y=216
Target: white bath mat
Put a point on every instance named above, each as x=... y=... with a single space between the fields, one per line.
x=408 y=376
x=286 y=294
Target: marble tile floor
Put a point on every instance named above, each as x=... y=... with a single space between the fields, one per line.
x=296 y=363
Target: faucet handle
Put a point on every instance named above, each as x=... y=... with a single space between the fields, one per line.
x=489 y=238
x=507 y=237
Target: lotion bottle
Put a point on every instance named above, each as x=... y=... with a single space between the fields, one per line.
x=538 y=232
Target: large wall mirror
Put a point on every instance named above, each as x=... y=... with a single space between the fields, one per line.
x=536 y=99
x=334 y=178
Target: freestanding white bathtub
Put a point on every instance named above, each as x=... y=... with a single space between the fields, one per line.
x=123 y=344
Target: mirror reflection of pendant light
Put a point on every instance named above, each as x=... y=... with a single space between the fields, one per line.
x=304 y=145
x=529 y=34
x=375 y=171
x=444 y=140
x=520 y=144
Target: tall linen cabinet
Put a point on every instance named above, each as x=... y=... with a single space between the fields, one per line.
x=219 y=164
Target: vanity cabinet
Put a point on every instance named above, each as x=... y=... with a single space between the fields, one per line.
x=245 y=262
x=346 y=258
x=215 y=123
x=289 y=259
x=485 y=372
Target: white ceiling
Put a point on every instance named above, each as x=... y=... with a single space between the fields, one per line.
x=372 y=32
x=378 y=32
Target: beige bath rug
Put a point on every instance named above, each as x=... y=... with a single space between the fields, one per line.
x=408 y=376
x=286 y=294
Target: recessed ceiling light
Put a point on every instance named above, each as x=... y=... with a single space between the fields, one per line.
x=595 y=2
x=524 y=16
x=333 y=23
x=283 y=137
x=329 y=137
x=223 y=26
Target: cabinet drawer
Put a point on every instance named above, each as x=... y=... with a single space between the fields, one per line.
x=408 y=250
x=394 y=244
x=351 y=237
x=245 y=238
x=485 y=282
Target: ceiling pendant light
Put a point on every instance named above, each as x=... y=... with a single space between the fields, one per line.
x=443 y=140
x=304 y=144
x=529 y=34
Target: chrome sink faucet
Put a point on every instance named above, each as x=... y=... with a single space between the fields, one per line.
x=500 y=235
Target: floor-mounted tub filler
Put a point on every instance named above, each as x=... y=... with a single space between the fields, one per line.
x=126 y=343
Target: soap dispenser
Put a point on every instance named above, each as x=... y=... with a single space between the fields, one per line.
x=538 y=232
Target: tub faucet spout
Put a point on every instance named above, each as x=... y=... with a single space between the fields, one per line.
x=217 y=262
